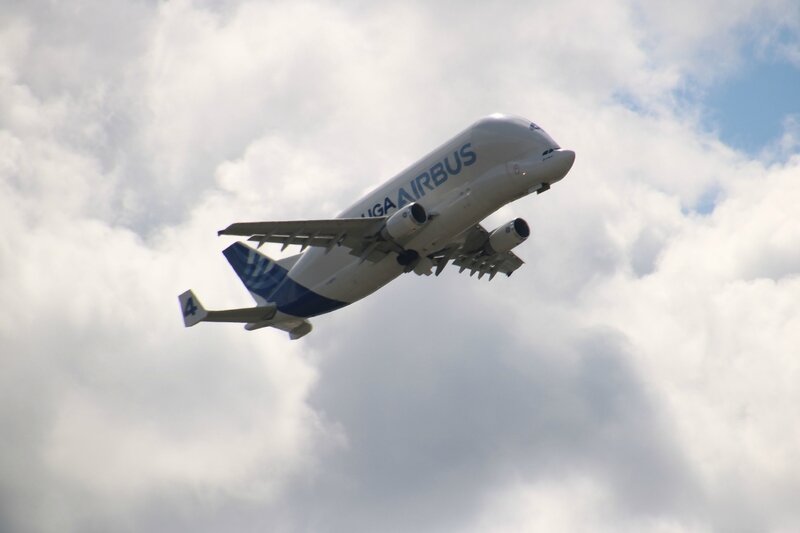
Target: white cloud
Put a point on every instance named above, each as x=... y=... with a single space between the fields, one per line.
x=788 y=144
x=638 y=373
x=705 y=39
x=715 y=329
x=573 y=504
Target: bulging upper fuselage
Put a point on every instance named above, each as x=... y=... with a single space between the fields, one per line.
x=496 y=160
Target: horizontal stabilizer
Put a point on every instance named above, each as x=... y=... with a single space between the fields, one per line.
x=194 y=312
x=246 y=314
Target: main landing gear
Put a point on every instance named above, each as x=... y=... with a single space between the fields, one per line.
x=408 y=258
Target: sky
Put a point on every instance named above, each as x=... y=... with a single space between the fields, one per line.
x=639 y=373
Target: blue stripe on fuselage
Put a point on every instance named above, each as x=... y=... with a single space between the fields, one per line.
x=271 y=281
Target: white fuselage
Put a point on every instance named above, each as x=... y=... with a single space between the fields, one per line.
x=493 y=162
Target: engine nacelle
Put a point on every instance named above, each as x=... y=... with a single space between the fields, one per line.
x=405 y=222
x=508 y=236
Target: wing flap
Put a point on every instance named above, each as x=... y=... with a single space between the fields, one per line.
x=357 y=234
x=483 y=264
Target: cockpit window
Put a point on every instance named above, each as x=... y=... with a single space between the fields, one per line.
x=549 y=151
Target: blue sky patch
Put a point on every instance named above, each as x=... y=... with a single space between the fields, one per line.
x=748 y=109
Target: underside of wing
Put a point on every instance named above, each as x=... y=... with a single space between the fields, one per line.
x=194 y=312
x=360 y=235
x=503 y=263
x=248 y=314
x=253 y=317
x=470 y=252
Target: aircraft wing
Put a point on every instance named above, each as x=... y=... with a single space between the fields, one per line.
x=361 y=236
x=469 y=252
x=358 y=234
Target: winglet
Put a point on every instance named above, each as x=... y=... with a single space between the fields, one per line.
x=191 y=309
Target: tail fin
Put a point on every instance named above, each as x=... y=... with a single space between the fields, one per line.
x=260 y=274
x=191 y=308
x=269 y=283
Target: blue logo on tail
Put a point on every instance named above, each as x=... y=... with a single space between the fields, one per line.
x=271 y=281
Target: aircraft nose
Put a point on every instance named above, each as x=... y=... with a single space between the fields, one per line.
x=561 y=163
x=567 y=159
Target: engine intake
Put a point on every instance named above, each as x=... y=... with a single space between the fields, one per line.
x=404 y=223
x=507 y=236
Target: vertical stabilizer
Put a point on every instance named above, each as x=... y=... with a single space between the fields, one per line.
x=260 y=274
x=268 y=282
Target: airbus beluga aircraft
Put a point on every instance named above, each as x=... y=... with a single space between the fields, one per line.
x=419 y=221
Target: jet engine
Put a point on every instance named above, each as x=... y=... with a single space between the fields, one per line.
x=404 y=223
x=508 y=236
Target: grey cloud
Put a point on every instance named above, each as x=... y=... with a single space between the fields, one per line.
x=645 y=251
x=441 y=412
